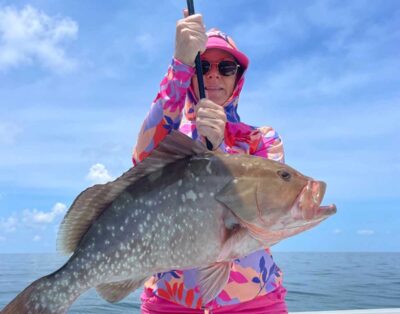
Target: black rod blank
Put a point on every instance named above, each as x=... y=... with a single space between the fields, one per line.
x=199 y=71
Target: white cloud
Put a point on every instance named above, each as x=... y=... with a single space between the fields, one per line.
x=365 y=232
x=37 y=238
x=32 y=218
x=2 y=239
x=337 y=231
x=36 y=217
x=29 y=35
x=9 y=224
x=98 y=174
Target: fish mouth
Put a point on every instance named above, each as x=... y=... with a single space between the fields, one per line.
x=322 y=213
x=308 y=206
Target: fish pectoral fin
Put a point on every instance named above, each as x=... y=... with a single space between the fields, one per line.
x=212 y=279
x=240 y=243
x=116 y=291
x=239 y=195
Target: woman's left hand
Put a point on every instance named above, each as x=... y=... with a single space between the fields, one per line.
x=210 y=121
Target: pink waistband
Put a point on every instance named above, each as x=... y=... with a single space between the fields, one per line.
x=271 y=303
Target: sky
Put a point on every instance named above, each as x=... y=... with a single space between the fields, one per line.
x=78 y=77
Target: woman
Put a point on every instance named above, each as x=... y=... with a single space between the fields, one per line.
x=254 y=284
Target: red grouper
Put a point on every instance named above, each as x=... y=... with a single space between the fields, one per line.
x=183 y=207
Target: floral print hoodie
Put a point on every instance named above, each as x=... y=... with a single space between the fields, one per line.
x=173 y=109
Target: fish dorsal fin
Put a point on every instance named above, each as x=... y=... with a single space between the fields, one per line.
x=90 y=204
x=116 y=291
x=212 y=279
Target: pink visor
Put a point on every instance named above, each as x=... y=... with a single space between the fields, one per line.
x=219 y=40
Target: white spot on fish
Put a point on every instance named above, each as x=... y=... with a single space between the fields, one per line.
x=180 y=183
x=183 y=198
x=191 y=195
x=208 y=168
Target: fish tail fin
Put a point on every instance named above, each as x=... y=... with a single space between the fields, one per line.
x=37 y=298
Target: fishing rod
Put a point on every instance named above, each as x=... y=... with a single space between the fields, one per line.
x=199 y=71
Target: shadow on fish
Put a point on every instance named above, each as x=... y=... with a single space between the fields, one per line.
x=182 y=207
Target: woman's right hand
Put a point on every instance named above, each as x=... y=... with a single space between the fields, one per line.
x=210 y=121
x=190 y=38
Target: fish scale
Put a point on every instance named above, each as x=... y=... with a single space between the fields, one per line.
x=177 y=218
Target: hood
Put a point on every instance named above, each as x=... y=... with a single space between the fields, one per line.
x=219 y=40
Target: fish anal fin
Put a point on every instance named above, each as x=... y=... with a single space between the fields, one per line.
x=212 y=279
x=116 y=291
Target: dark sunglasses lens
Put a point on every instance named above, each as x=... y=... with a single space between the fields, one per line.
x=205 y=66
x=227 y=68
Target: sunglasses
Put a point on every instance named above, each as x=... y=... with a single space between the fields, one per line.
x=225 y=68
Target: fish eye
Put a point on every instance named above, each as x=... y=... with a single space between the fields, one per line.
x=286 y=176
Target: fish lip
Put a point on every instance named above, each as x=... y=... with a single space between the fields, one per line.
x=327 y=209
x=323 y=210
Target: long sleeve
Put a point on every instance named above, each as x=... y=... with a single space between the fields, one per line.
x=263 y=142
x=270 y=145
x=166 y=110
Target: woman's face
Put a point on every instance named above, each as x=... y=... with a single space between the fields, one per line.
x=218 y=88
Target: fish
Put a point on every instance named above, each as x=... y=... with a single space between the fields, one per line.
x=183 y=207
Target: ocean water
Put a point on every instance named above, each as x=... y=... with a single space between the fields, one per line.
x=315 y=281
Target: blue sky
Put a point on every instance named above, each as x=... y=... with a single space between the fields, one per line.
x=77 y=78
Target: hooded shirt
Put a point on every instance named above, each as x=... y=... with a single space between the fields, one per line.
x=173 y=108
